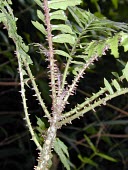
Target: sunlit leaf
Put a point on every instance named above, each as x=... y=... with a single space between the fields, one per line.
x=58 y=15
x=63 y=28
x=113 y=45
x=63 y=53
x=64 y=38
x=40 y=15
x=40 y=27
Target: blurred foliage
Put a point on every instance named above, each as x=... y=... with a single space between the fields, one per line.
x=107 y=128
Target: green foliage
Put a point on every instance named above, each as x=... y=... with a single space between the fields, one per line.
x=62 y=151
x=61 y=4
x=83 y=43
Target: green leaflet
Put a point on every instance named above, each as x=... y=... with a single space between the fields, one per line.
x=39 y=3
x=84 y=16
x=76 y=69
x=63 y=28
x=124 y=41
x=62 y=4
x=58 y=15
x=41 y=125
x=9 y=2
x=116 y=85
x=104 y=156
x=40 y=15
x=84 y=57
x=108 y=86
x=100 y=48
x=64 y=38
x=90 y=143
x=62 y=151
x=40 y=27
x=26 y=56
x=90 y=49
x=97 y=153
x=125 y=71
x=113 y=45
x=87 y=160
x=2 y=17
x=76 y=17
x=63 y=53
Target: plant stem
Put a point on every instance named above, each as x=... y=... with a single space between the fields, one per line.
x=25 y=104
x=51 y=53
x=92 y=106
x=45 y=154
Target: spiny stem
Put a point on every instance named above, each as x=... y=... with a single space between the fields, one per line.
x=25 y=104
x=92 y=106
x=51 y=53
x=77 y=78
x=87 y=101
x=45 y=154
x=109 y=105
x=36 y=88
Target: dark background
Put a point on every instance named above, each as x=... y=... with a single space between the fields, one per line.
x=107 y=127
